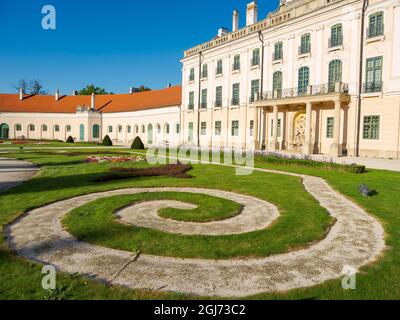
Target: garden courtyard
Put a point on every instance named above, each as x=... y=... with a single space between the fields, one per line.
x=117 y=227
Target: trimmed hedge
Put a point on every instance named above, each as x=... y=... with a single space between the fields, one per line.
x=107 y=141
x=70 y=140
x=137 y=144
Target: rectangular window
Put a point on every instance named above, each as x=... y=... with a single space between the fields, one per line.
x=256 y=57
x=251 y=128
x=219 y=67
x=235 y=94
x=255 y=90
x=305 y=46
x=375 y=28
x=218 y=97
x=235 y=128
x=203 y=128
x=190 y=137
x=18 y=127
x=204 y=73
x=56 y=128
x=129 y=129
x=279 y=128
x=336 y=36
x=191 y=74
x=204 y=99
x=236 y=63
x=371 y=127
x=218 y=126
x=278 y=53
x=68 y=129
x=110 y=129
x=191 y=100
x=373 y=75
x=178 y=128
x=330 y=122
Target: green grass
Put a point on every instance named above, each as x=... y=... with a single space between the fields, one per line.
x=7 y=144
x=65 y=177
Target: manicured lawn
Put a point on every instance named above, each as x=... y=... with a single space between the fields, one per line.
x=302 y=222
x=8 y=144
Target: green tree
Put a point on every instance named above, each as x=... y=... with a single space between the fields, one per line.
x=89 y=89
x=140 y=89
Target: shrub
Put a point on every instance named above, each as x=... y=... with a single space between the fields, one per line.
x=70 y=140
x=137 y=144
x=107 y=141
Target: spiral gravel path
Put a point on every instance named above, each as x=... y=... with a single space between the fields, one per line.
x=356 y=239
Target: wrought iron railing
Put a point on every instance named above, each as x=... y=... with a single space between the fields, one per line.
x=311 y=90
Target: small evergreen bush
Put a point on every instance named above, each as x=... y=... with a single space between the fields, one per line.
x=107 y=141
x=70 y=140
x=137 y=144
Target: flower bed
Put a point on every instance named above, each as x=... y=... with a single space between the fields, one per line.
x=112 y=159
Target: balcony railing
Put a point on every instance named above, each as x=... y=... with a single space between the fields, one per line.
x=376 y=31
x=311 y=90
x=335 y=42
x=372 y=87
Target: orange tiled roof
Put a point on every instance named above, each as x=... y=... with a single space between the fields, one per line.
x=106 y=103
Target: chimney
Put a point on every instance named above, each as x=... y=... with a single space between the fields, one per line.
x=222 y=32
x=169 y=85
x=21 y=94
x=235 y=21
x=92 y=105
x=130 y=90
x=74 y=93
x=57 y=95
x=251 y=14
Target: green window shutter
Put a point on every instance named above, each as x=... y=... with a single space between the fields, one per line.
x=235 y=94
x=218 y=97
x=255 y=89
x=305 y=46
x=303 y=80
x=330 y=121
x=376 y=27
x=218 y=126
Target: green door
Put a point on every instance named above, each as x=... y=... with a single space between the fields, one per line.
x=96 y=131
x=82 y=132
x=4 y=131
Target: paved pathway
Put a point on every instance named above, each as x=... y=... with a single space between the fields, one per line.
x=355 y=240
x=13 y=172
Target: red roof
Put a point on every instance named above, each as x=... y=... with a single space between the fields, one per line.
x=104 y=103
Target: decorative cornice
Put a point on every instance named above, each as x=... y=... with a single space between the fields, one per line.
x=291 y=36
x=320 y=27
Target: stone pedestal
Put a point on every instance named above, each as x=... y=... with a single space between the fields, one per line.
x=336 y=150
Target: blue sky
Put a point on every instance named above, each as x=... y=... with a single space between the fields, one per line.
x=113 y=44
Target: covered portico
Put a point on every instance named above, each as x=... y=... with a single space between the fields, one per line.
x=299 y=105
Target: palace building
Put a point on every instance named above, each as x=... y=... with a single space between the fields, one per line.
x=312 y=77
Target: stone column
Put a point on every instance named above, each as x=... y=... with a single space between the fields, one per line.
x=274 y=142
x=255 y=133
x=264 y=127
x=336 y=147
x=307 y=147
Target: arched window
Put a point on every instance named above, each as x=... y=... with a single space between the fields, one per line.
x=31 y=127
x=277 y=84
x=96 y=131
x=336 y=36
x=68 y=128
x=44 y=128
x=158 y=129
x=128 y=129
x=136 y=129
x=150 y=134
x=335 y=74
x=167 y=128
x=375 y=26
x=143 y=128
x=119 y=129
x=56 y=128
x=110 y=129
x=4 y=131
x=304 y=80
